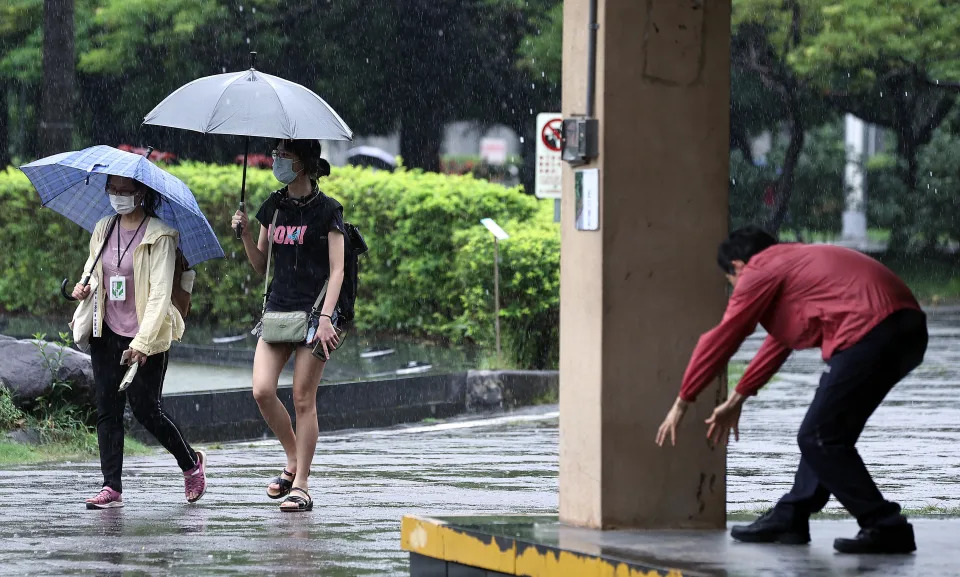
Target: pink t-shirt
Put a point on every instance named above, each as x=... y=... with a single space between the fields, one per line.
x=121 y=316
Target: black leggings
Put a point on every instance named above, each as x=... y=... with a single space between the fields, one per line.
x=144 y=394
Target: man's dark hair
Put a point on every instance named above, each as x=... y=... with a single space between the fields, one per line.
x=743 y=244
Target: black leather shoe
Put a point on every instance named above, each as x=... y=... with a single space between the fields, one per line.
x=880 y=539
x=774 y=527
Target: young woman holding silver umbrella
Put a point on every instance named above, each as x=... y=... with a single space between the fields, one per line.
x=302 y=230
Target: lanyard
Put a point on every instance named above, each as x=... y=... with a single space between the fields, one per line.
x=120 y=256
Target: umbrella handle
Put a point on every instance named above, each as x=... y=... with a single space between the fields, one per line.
x=66 y=281
x=63 y=290
x=240 y=226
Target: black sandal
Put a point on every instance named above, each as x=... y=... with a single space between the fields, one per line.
x=284 y=485
x=302 y=504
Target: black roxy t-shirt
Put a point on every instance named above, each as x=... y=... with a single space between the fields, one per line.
x=300 y=251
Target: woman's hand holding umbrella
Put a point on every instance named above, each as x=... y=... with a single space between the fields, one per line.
x=240 y=219
x=81 y=291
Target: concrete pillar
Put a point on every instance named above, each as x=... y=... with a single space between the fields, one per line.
x=637 y=293
x=855 y=215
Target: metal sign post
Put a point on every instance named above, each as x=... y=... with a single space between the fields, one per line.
x=498 y=235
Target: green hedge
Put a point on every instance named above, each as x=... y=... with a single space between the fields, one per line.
x=428 y=273
x=529 y=289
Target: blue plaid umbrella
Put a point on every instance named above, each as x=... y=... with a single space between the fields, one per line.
x=73 y=183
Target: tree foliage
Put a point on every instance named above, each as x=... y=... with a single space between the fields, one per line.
x=412 y=65
x=893 y=66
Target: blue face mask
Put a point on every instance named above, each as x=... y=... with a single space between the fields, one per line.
x=283 y=170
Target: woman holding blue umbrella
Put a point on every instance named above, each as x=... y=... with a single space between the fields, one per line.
x=131 y=274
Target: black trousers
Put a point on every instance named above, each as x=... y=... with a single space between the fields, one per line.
x=144 y=395
x=851 y=389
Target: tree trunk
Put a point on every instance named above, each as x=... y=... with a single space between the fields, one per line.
x=902 y=223
x=4 y=128
x=785 y=182
x=56 y=124
x=740 y=140
x=420 y=140
x=528 y=150
x=427 y=33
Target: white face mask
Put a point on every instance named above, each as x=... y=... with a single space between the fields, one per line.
x=283 y=170
x=123 y=204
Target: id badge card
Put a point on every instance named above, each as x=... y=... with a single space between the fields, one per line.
x=118 y=288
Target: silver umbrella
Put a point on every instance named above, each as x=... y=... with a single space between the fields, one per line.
x=249 y=103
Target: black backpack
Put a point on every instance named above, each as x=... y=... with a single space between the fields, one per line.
x=353 y=247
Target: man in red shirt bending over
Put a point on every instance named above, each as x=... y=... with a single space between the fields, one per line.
x=872 y=333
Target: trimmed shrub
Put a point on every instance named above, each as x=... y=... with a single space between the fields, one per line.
x=423 y=230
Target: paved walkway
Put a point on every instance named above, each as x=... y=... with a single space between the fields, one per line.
x=364 y=483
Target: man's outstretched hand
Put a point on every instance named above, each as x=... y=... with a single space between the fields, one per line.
x=670 y=424
x=725 y=418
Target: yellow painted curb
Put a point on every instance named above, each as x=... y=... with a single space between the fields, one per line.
x=421 y=536
x=475 y=551
x=440 y=540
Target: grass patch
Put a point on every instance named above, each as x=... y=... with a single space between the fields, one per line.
x=64 y=430
x=488 y=361
x=932 y=278
x=549 y=397
x=20 y=454
x=735 y=372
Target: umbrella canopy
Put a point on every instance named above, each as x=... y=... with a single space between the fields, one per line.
x=73 y=184
x=250 y=103
x=371 y=156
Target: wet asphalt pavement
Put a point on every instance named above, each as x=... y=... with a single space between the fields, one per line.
x=365 y=481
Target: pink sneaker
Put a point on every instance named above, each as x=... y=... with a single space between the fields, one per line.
x=195 y=480
x=107 y=498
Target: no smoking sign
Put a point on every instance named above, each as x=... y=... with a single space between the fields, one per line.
x=549 y=173
x=551 y=134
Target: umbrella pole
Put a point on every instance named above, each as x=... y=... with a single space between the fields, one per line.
x=243 y=185
x=85 y=280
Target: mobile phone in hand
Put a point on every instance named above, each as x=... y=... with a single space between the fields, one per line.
x=128 y=377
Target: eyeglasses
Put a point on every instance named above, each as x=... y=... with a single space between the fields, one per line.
x=281 y=154
x=111 y=189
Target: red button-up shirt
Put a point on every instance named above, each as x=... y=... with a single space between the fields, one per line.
x=805 y=296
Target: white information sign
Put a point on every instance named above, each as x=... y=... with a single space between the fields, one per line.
x=494 y=229
x=587 y=189
x=549 y=174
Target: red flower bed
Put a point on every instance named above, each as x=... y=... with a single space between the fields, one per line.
x=155 y=156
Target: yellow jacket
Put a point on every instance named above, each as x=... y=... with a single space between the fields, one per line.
x=153 y=265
